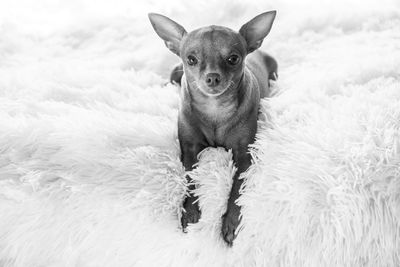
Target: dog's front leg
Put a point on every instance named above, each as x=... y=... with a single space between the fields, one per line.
x=231 y=219
x=191 y=212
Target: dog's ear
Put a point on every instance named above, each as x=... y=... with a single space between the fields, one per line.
x=256 y=29
x=170 y=31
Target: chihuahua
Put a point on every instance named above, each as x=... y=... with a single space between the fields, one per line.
x=222 y=79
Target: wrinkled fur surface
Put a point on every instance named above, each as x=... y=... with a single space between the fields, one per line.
x=89 y=164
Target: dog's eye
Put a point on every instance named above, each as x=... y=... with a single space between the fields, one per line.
x=233 y=59
x=191 y=60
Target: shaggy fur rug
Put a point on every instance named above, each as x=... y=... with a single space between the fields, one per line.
x=89 y=164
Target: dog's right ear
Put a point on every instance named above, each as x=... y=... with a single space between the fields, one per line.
x=170 y=31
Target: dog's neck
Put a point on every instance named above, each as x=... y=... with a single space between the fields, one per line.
x=216 y=110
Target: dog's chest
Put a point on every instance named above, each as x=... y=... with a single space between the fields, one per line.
x=215 y=115
x=213 y=111
x=217 y=110
x=216 y=136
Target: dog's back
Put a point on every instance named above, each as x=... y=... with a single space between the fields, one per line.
x=264 y=67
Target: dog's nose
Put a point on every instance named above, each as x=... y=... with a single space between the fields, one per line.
x=213 y=79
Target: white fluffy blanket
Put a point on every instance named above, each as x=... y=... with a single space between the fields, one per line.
x=89 y=164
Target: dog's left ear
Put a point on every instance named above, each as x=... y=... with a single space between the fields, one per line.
x=257 y=29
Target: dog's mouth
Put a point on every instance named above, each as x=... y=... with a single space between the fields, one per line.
x=208 y=91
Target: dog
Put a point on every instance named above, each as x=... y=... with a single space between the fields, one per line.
x=223 y=77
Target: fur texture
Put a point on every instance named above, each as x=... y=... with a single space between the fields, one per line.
x=89 y=164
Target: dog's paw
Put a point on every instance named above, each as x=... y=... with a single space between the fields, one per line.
x=230 y=223
x=191 y=212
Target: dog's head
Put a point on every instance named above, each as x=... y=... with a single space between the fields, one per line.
x=213 y=57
